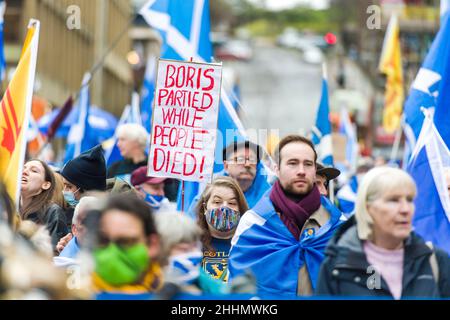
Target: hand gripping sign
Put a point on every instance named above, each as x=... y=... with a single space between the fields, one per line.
x=186 y=107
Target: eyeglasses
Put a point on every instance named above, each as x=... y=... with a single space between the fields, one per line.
x=123 y=242
x=242 y=160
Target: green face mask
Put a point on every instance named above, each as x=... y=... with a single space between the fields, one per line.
x=120 y=266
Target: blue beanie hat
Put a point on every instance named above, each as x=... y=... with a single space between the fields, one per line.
x=87 y=171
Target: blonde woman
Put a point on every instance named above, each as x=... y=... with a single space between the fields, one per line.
x=376 y=253
x=218 y=213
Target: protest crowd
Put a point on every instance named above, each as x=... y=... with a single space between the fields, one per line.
x=179 y=215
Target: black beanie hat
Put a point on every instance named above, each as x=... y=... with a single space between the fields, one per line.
x=87 y=171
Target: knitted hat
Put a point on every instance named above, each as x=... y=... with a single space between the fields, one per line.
x=87 y=171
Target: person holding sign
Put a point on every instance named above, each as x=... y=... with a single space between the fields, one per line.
x=282 y=239
x=218 y=212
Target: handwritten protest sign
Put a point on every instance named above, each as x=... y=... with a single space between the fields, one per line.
x=186 y=107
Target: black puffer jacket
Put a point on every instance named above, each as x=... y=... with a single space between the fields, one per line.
x=345 y=272
x=54 y=218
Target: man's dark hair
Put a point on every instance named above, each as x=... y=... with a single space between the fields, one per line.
x=135 y=206
x=292 y=139
x=235 y=146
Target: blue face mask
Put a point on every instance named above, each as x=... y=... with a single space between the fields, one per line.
x=153 y=200
x=69 y=196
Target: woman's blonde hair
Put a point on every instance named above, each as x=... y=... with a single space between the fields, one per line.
x=373 y=185
x=224 y=181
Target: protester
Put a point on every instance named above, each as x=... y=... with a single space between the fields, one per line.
x=87 y=172
x=26 y=271
x=127 y=249
x=323 y=177
x=220 y=207
x=181 y=253
x=151 y=189
x=69 y=246
x=282 y=239
x=132 y=141
x=37 y=187
x=242 y=162
x=376 y=253
x=346 y=196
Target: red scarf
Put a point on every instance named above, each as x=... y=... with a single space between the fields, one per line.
x=294 y=214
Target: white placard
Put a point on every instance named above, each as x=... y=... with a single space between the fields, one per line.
x=184 y=126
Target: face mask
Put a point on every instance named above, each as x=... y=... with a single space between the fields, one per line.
x=69 y=196
x=120 y=266
x=222 y=219
x=184 y=268
x=153 y=200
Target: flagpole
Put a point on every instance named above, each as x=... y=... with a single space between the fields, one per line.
x=396 y=146
x=331 y=191
x=182 y=196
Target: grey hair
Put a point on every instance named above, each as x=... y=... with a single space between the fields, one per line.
x=175 y=228
x=375 y=182
x=134 y=132
x=85 y=203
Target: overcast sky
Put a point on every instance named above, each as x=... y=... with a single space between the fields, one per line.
x=286 y=4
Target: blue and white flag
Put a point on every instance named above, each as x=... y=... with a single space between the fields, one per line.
x=348 y=129
x=445 y=7
x=131 y=114
x=264 y=246
x=2 y=49
x=78 y=141
x=184 y=27
x=321 y=132
x=148 y=91
x=430 y=160
x=430 y=88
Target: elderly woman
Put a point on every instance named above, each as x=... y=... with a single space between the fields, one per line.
x=181 y=256
x=132 y=140
x=218 y=213
x=376 y=253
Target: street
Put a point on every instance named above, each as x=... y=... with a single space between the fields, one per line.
x=278 y=90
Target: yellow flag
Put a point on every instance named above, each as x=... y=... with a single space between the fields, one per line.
x=391 y=66
x=15 y=110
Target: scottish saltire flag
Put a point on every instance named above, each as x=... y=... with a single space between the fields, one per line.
x=263 y=246
x=78 y=139
x=445 y=7
x=14 y=114
x=348 y=129
x=184 y=27
x=321 y=132
x=430 y=88
x=2 y=49
x=131 y=114
x=148 y=91
x=429 y=161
